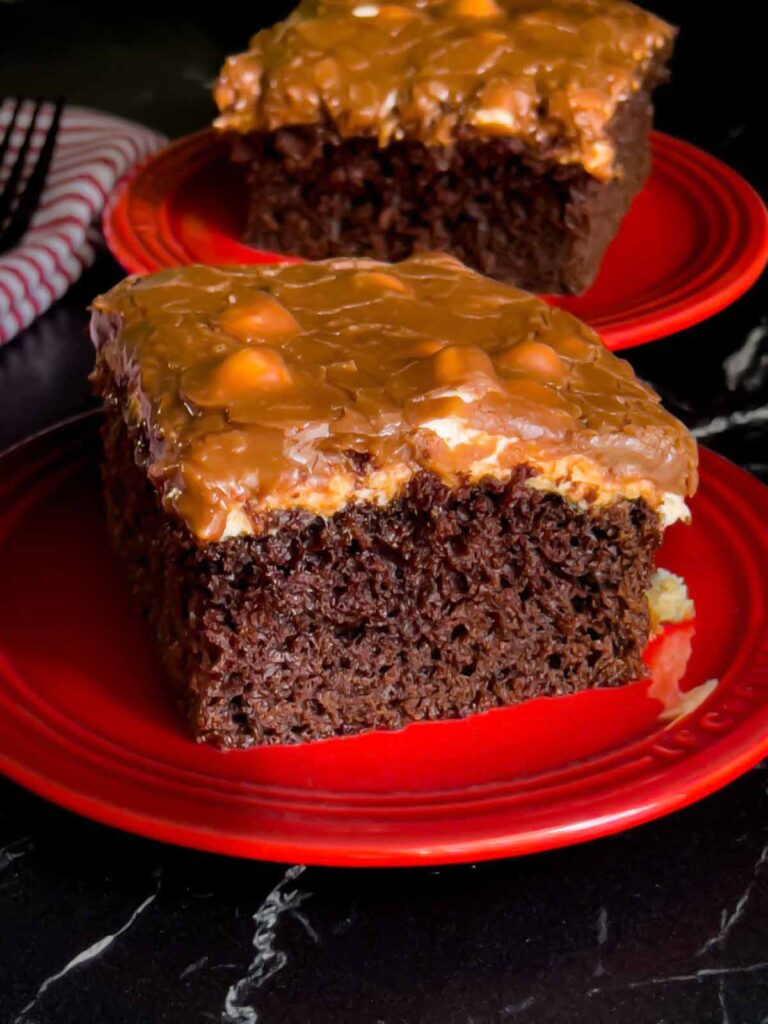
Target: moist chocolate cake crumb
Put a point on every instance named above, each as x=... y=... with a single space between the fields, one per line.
x=513 y=215
x=441 y=604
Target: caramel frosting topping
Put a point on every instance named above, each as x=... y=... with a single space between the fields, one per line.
x=316 y=385
x=550 y=73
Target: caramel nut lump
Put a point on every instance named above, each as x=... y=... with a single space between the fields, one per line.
x=551 y=74
x=315 y=385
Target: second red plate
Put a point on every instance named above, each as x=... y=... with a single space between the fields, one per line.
x=695 y=239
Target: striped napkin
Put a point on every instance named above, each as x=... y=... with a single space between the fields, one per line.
x=94 y=152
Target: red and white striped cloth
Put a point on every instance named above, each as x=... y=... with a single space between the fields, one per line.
x=94 y=152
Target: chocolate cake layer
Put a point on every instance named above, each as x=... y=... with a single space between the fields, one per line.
x=512 y=215
x=444 y=603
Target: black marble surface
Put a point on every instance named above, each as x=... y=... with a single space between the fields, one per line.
x=662 y=925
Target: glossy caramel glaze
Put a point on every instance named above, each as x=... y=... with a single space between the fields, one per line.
x=550 y=74
x=316 y=385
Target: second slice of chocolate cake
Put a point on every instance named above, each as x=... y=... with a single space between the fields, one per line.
x=511 y=133
x=353 y=495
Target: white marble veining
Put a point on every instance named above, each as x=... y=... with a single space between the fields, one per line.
x=730 y=918
x=304 y=921
x=737 y=418
x=743 y=368
x=672 y=979
x=725 y=1017
x=602 y=938
x=191 y=968
x=745 y=373
x=13 y=851
x=267 y=960
x=86 y=955
x=515 y=1009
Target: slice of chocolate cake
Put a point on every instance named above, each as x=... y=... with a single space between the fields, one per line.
x=353 y=495
x=510 y=133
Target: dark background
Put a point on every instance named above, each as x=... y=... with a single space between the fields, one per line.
x=664 y=925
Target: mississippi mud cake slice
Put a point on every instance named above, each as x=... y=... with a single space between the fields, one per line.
x=353 y=495
x=510 y=133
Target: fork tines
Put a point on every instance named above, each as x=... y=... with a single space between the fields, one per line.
x=24 y=164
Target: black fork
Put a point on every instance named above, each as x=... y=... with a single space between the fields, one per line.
x=20 y=195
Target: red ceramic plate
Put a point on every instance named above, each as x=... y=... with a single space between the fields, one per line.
x=86 y=720
x=695 y=239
